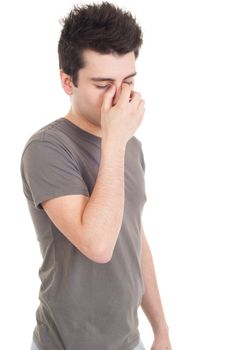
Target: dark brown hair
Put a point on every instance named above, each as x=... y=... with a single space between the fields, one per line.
x=104 y=28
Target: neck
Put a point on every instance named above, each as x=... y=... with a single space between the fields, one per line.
x=83 y=123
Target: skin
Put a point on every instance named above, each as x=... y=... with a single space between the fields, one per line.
x=87 y=98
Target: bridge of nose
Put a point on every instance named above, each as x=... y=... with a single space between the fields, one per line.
x=117 y=95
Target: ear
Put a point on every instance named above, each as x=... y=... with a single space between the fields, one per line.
x=66 y=82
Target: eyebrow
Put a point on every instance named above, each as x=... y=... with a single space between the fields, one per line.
x=110 y=79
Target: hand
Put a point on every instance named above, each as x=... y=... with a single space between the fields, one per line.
x=121 y=120
x=161 y=342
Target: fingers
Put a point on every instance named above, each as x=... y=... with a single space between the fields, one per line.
x=136 y=98
x=141 y=108
x=108 y=96
x=125 y=94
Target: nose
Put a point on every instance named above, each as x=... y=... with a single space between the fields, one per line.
x=117 y=95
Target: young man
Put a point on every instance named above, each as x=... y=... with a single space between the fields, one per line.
x=83 y=178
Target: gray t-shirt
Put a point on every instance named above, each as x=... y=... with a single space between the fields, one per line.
x=84 y=305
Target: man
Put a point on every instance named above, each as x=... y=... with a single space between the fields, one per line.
x=83 y=178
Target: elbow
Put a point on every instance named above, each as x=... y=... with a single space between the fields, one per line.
x=101 y=257
x=98 y=252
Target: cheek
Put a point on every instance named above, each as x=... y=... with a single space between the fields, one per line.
x=95 y=97
x=99 y=96
x=92 y=97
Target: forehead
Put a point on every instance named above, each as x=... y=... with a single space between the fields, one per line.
x=108 y=65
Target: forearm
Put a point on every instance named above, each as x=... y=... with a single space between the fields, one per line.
x=103 y=214
x=151 y=301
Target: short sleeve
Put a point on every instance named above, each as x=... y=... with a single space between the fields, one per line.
x=142 y=157
x=48 y=170
x=142 y=162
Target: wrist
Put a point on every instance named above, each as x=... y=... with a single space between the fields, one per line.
x=113 y=143
x=161 y=330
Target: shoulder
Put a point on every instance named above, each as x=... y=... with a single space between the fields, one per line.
x=46 y=137
x=135 y=141
x=136 y=144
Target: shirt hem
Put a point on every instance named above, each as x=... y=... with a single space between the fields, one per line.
x=130 y=346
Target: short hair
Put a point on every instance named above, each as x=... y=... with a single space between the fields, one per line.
x=104 y=28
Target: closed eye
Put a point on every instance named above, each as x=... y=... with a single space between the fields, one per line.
x=105 y=86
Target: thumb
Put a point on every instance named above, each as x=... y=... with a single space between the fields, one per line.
x=108 y=96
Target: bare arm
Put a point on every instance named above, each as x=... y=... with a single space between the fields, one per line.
x=151 y=301
x=102 y=217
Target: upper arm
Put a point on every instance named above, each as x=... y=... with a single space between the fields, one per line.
x=144 y=242
x=66 y=213
x=142 y=232
x=53 y=181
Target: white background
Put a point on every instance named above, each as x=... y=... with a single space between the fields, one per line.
x=185 y=76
